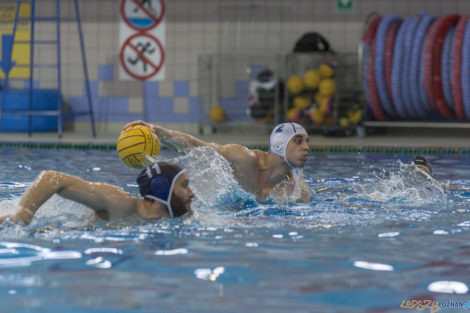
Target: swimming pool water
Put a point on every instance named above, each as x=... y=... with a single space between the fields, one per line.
x=374 y=234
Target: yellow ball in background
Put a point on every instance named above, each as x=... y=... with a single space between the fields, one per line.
x=324 y=105
x=295 y=84
x=344 y=122
x=321 y=99
x=138 y=146
x=293 y=114
x=326 y=71
x=316 y=115
x=217 y=114
x=327 y=87
x=355 y=116
x=312 y=78
x=302 y=102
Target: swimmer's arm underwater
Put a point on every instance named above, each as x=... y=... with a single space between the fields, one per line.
x=291 y=186
x=305 y=195
x=106 y=200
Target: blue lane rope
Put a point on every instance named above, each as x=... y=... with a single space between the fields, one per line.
x=416 y=66
x=396 y=69
x=381 y=37
x=314 y=149
x=406 y=90
x=466 y=71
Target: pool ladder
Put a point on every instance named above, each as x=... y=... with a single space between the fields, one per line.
x=7 y=64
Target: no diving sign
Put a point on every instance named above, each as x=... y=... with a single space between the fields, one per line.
x=142 y=15
x=142 y=56
x=142 y=40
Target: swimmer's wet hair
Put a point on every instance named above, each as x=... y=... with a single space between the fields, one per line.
x=422 y=161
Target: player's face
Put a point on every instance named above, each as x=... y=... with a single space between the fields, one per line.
x=297 y=150
x=182 y=195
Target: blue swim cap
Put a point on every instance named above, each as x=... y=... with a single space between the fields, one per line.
x=280 y=137
x=157 y=182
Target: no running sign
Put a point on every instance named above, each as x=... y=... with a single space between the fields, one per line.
x=142 y=56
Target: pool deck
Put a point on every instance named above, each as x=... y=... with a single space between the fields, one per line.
x=256 y=139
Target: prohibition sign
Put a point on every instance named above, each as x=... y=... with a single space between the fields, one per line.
x=135 y=56
x=140 y=17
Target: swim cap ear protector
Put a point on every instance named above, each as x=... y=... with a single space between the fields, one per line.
x=280 y=137
x=157 y=182
x=422 y=161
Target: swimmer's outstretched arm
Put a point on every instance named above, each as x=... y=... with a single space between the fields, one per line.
x=183 y=143
x=102 y=198
x=175 y=140
x=449 y=186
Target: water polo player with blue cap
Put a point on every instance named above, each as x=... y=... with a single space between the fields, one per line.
x=164 y=186
x=257 y=172
x=157 y=182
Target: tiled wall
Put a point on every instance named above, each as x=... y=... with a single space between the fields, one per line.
x=195 y=28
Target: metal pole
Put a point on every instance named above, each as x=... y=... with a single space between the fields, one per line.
x=31 y=67
x=5 y=80
x=85 y=70
x=59 y=74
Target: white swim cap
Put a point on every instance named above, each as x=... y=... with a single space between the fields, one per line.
x=280 y=137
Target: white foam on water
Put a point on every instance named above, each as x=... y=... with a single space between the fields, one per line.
x=407 y=186
x=445 y=286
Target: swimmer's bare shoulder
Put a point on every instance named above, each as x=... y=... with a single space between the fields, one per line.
x=240 y=155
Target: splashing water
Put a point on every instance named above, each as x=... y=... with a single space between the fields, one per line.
x=408 y=186
x=288 y=191
x=401 y=192
x=212 y=181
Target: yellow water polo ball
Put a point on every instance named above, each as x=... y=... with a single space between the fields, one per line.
x=295 y=84
x=302 y=102
x=138 y=146
x=217 y=114
x=312 y=78
x=327 y=87
x=326 y=71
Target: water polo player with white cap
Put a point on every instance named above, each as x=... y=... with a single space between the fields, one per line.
x=280 y=138
x=164 y=186
x=256 y=171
